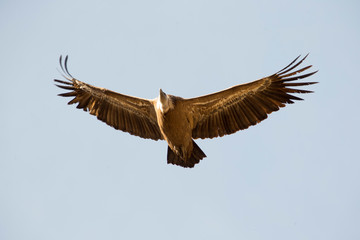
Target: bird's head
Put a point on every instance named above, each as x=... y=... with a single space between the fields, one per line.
x=164 y=103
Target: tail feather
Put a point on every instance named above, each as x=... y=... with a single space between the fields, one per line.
x=195 y=158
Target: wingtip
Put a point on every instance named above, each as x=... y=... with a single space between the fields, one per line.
x=63 y=82
x=63 y=64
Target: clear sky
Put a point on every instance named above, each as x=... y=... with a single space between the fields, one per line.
x=66 y=175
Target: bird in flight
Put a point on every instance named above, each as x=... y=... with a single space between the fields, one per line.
x=179 y=120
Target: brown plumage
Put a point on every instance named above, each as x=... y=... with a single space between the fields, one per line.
x=178 y=120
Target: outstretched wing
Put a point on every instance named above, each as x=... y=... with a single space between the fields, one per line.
x=130 y=114
x=244 y=105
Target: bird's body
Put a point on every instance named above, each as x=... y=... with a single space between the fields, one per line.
x=172 y=114
x=175 y=118
x=178 y=120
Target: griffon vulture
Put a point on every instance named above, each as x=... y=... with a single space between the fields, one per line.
x=178 y=120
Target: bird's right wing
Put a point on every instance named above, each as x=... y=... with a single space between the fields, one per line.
x=130 y=114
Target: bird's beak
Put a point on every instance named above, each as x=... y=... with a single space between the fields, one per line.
x=162 y=94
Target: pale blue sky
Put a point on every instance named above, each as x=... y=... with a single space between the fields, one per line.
x=65 y=175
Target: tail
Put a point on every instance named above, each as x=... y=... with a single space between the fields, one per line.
x=195 y=158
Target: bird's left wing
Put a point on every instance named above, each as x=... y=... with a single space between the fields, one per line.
x=130 y=114
x=244 y=105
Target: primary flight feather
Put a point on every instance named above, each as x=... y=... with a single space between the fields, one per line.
x=178 y=120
